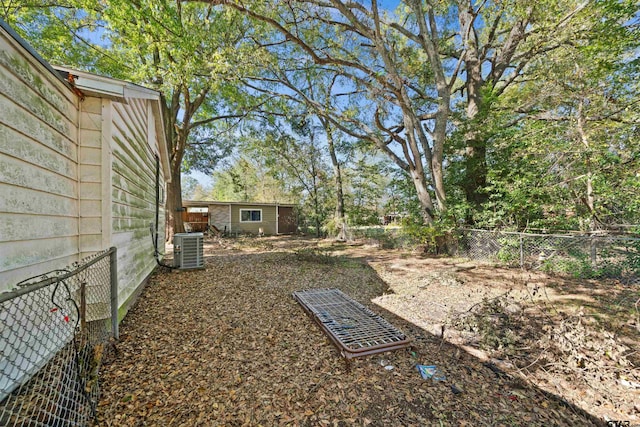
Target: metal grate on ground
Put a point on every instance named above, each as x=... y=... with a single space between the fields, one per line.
x=353 y=328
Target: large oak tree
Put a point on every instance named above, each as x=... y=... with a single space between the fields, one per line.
x=410 y=76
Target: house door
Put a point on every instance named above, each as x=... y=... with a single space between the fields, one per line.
x=287 y=222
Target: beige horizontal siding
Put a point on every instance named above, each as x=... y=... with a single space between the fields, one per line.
x=133 y=194
x=19 y=173
x=268 y=223
x=24 y=200
x=75 y=176
x=24 y=253
x=90 y=158
x=38 y=167
x=9 y=278
x=32 y=227
x=19 y=146
x=57 y=114
x=29 y=73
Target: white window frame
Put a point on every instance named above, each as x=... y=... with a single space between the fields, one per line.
x=251 y=210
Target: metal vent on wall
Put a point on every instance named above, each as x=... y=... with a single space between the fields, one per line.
x=187 y=250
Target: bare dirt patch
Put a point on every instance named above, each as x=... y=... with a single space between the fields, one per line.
x=577 y=339
x=229 y=346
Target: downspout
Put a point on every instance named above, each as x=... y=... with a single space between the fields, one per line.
x=155 y=243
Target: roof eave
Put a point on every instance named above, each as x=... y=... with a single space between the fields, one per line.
x=119 y=90
x=202 y=203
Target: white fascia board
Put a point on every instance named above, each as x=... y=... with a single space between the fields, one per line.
x=106 y=87
x=95 y=85
x=132 y=90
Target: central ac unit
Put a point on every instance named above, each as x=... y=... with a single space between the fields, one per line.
x=187 y=250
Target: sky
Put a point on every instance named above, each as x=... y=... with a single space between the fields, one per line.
x=204 y=179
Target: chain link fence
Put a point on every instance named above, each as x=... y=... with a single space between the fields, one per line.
x=55 y=330
x=584 y=256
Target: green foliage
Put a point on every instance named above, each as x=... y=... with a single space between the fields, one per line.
x=509 y=252
x=245 y=178
x=563 y=131
x=433 y=238
x=579 y=264
x=418 y=234
x=290 y=151
x=208 y=146
x=577 y=132
x=402 y=197
x=188 y=187
x=366 y=189
x=632 y=261
x=331 y=227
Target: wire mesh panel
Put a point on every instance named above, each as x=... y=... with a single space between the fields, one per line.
x=54 y=330
x=355 y=329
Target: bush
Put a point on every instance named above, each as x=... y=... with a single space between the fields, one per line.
x=433 y=239
x=578 y=265
x=509 y=252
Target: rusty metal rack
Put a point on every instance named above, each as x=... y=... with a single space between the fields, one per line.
x=353 y=328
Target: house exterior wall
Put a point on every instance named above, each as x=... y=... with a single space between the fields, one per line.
x=268 y=223
x=76 y=176
x=287 y=221
x=91 y=194
x=219 y=217
x=133 y=194
x=39 y=206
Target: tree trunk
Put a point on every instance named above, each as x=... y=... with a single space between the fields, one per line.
x=316 y=208
x=339 y=216
x=475 y=145
x=174 y=206
x=426 y=203
x=416 y=169
x=176 y=141
x=590 y=200
x=176 y=187
x=428 y=38
x=475 y=172
x=500 y=54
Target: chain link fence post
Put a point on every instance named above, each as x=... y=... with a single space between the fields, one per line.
x=113 y=262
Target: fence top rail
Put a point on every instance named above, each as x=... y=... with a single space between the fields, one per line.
x=566 y=236
x=32 y=284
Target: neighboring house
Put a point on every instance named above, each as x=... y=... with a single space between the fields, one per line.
x=81 y=157
x=241 y=217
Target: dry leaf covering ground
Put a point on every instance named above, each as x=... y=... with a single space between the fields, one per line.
x=229 y=346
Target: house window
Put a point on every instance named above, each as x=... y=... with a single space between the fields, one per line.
x=250 y=215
